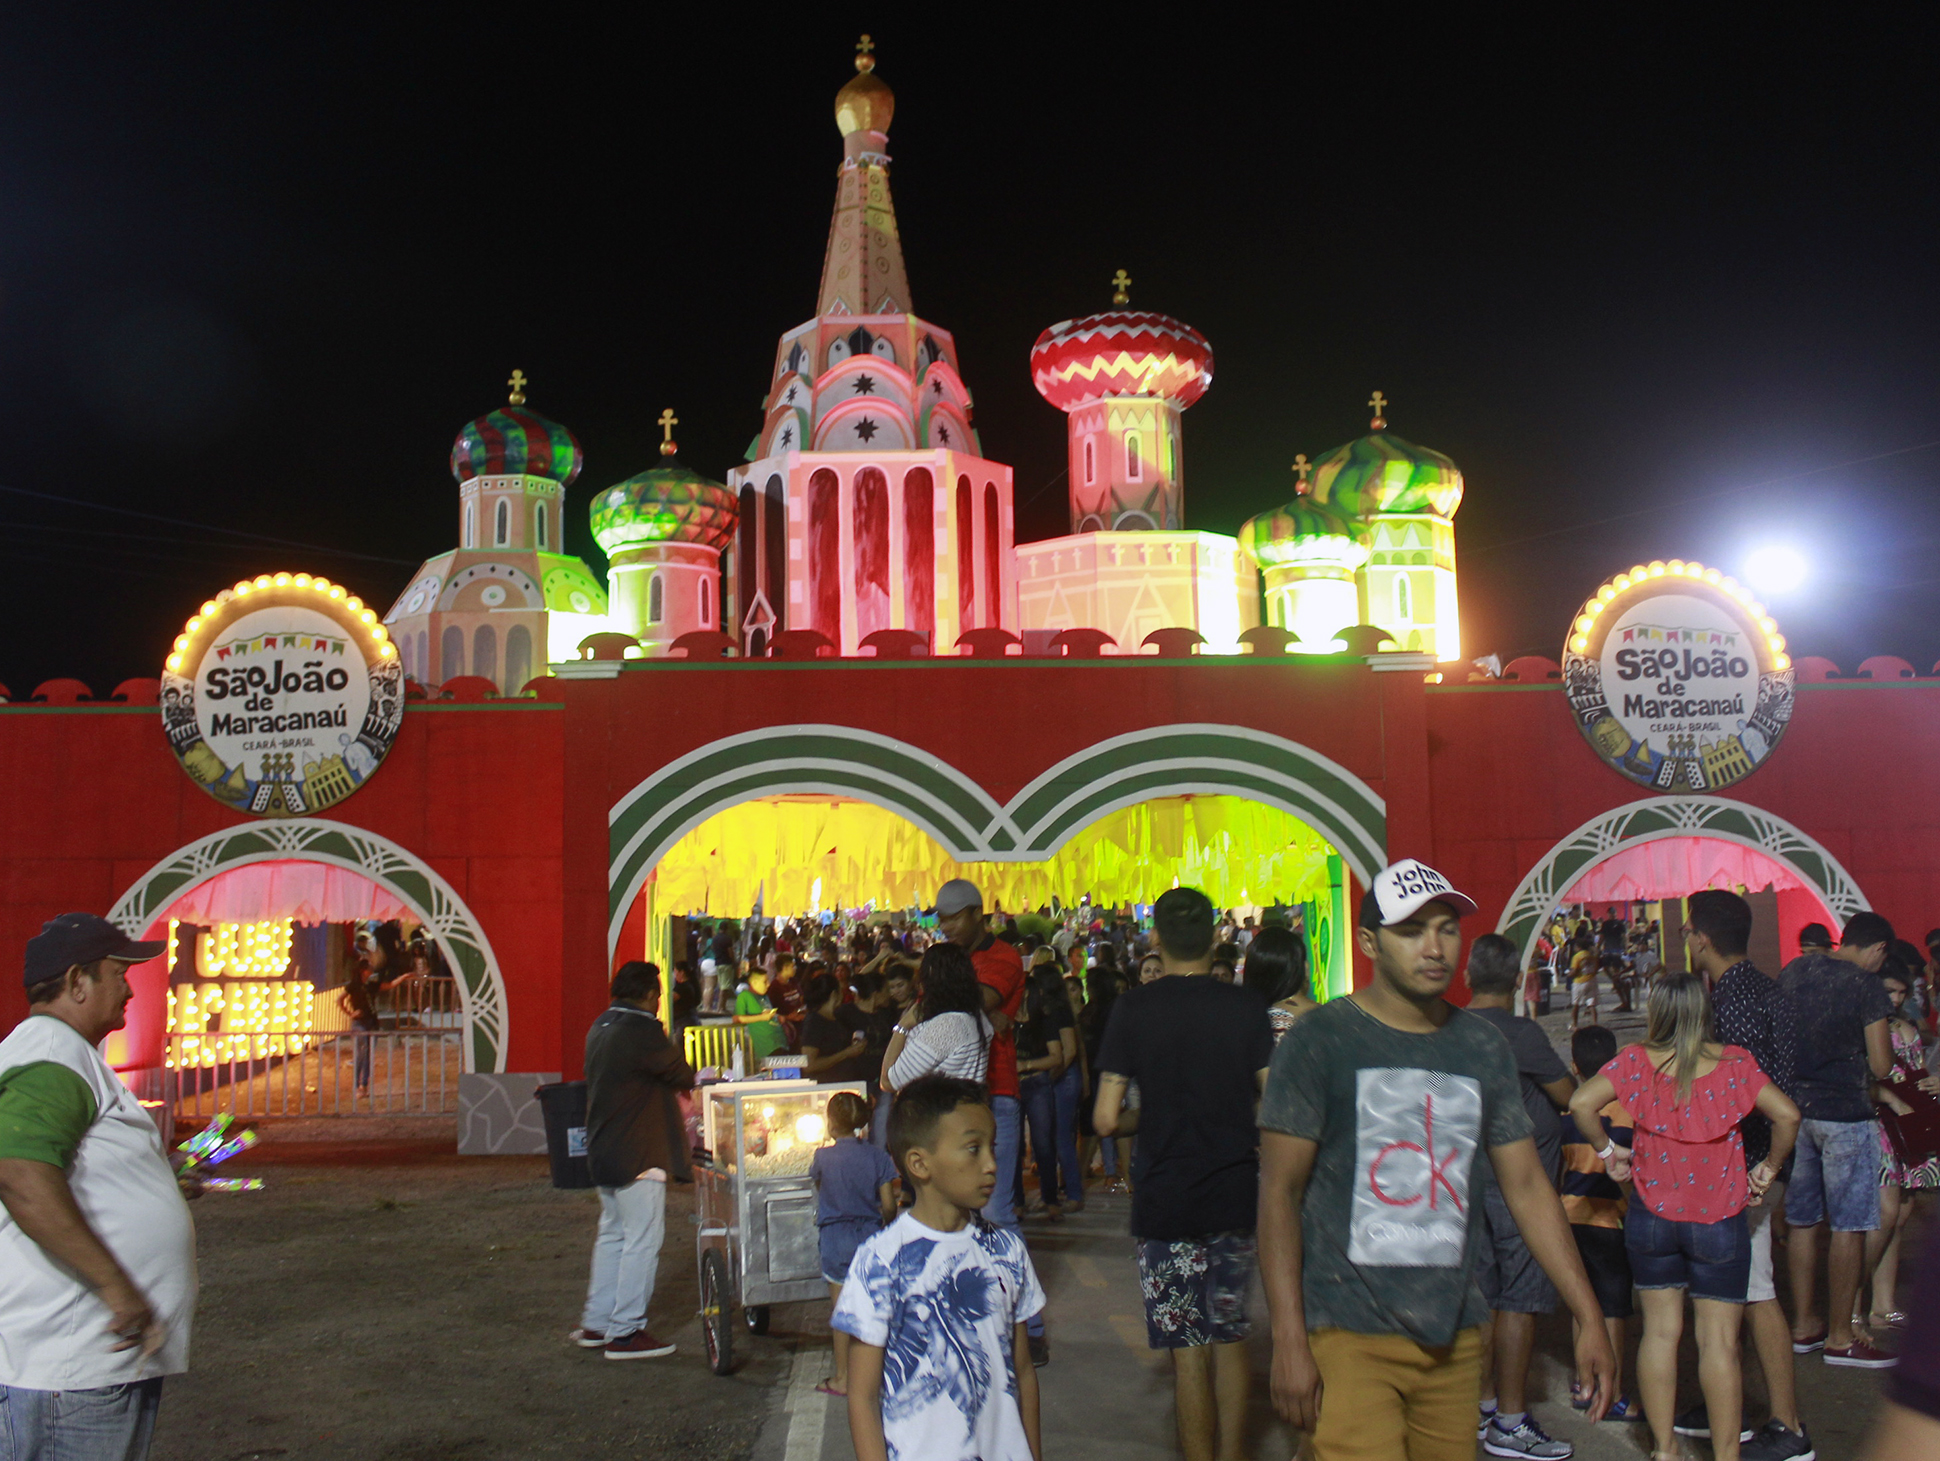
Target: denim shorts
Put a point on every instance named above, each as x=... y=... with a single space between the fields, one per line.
x=1712 y=1260
x=1836 y=1174
x=1511 y=1280
x=1195 y=1289
x=839 y=1240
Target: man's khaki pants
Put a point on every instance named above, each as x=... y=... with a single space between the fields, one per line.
x=1386 y=1398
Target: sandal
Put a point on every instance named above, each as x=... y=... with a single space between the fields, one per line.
x=825 y=1388
x=1893 y=1320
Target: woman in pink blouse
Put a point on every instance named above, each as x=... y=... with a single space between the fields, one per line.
x=1685 y=1228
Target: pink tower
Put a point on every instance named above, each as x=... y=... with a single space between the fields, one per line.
x=867 y=503
x=1123 y=378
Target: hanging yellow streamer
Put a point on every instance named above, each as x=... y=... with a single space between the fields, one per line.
x=1239 y=852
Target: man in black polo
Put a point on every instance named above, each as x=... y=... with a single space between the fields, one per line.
x=1753 y=1013
x=636 y=1142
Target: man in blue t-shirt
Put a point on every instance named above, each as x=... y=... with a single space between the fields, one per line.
x=1843 y=1047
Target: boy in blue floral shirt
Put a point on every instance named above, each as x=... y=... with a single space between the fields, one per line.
x=937 y=1301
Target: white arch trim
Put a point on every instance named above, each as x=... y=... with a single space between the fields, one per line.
x=432 y=901
x=1656 y=819
x=833 y=760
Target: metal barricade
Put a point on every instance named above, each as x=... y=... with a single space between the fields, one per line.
x=315 y=1073
x=710 y=1044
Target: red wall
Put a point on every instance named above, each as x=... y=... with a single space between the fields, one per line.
x=1858 y=770
x=508 y=800
x=93 y=799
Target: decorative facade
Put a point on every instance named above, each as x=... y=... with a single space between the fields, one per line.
x=505 y=602
x=1370 y=539
x=866 y=503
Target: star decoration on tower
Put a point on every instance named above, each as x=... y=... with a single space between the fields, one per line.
x=787 y=437
x=937 y=387
x=943 y=434
x=866 y=429
x=865 y=385
x=790 y=397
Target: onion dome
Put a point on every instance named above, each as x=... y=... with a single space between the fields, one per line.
x=1383 y=473
x=512 y=441
x=866 y=104
x=1121 y=353
x=1302 y=532
x=668 y=504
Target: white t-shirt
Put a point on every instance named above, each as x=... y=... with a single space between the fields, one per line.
x=53 y=1330
x=953 y=1044
x=944 y=1308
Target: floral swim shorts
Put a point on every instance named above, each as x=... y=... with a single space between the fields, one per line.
x=1195 y=1289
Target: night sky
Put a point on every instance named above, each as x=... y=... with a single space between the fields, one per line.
x=1658 y=290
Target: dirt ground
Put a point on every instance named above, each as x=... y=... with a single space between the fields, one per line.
x=388 y=1300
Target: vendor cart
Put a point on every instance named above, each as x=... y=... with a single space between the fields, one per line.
x=758 y=1243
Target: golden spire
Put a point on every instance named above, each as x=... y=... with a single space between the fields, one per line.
x=518 y=384
x=1121 y=284
x=863 y=60
x=667 y=422
x=1301 y=466
x=1380 y=404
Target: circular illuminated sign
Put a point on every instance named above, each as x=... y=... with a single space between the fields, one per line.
x=1678 y=678
x=283 y=695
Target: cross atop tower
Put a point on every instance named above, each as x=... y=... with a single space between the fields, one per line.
x=1121 y=284
x=518 y=384
x=1301 y=466
x=1380 y=404
x=668 y=421
x=863 y=60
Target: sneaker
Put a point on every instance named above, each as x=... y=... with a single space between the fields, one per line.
x=1628 y=1408
x=1482 y=1425
x=1697 y=1422
x=1040 y=1351
x=1860 y=1355
x=1526 y=1439
x=1776 y=1443
x=588 y=1338
x=1806 y=1346
x=639 y=1345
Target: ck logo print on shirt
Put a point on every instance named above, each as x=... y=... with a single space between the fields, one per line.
x=1415 y=1137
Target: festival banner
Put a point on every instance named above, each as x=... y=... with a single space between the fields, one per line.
x=1677 y=678
x=283 y=696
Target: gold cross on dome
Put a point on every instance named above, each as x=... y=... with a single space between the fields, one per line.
x=1380 y=404
x=1121 y=284
x=518 y=384
x=863 y=60
x=1301 y=466
x=667 y=422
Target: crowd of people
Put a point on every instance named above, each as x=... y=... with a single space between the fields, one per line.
x=1411 y=1182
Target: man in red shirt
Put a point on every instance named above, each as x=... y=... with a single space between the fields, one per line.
x=1000 y=970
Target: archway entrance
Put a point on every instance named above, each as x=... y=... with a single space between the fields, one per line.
x=1669 y=847
x=823 y=858
x=964 y=820
x=382 y=881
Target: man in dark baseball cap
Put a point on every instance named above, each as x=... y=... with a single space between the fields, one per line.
x=77 y=940
x=96 y=1239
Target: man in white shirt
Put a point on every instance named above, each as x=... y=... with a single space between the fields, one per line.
x=97 y=1249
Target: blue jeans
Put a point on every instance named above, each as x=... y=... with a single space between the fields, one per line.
x=1108 y=1154
x=1835 y=1174
x=1712 y=1260
x=1001 y=1210
x=112 y=1423
x=1051 y=1107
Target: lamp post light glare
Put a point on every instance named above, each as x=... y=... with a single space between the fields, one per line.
x=1776 y=569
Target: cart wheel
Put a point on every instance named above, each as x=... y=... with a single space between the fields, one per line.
x=757 y=1317
x=715 y=1302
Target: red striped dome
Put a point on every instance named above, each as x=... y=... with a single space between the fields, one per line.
x=1121 y=353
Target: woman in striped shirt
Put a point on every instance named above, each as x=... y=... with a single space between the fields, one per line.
x=944 y=1030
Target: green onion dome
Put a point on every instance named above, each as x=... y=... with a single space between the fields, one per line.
x=1302 y=532
x=1383 y=473
x=667 y=504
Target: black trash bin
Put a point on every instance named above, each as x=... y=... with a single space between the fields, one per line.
x=564 y=1107
x=1542 y=993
